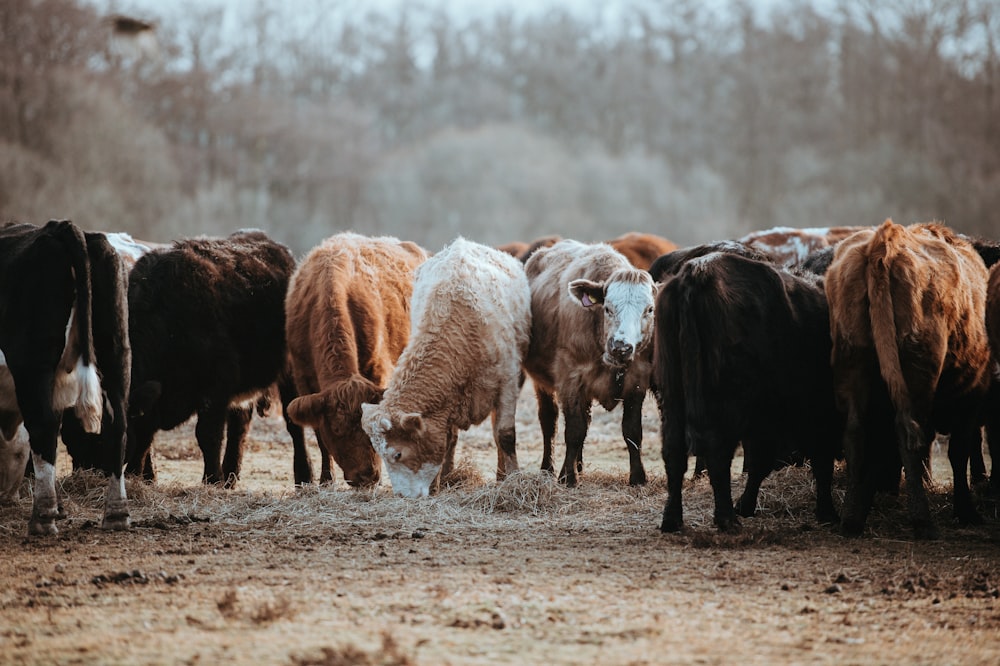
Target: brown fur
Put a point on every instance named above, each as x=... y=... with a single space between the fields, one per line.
x=567 y=346
x=471 y=318
x=642 y=249
x=790 y=247
x=347 y=323
x=907 y=306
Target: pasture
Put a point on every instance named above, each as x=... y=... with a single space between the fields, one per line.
x=523 y=572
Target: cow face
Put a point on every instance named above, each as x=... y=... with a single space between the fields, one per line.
x=412 y=447
x=13 y=459
x=627 y=298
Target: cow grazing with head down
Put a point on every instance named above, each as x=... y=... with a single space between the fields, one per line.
x=63 y=343
x=591 y=335
x=207 y=323
x=789 y=246
x=742 y=351
x=470 y=322
x=907 y=318
x=347 y=322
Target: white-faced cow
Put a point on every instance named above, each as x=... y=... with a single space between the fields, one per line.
x=907 y=317
x=471 y=318
x=348 y=320
x=64 y=343
x=742 y=354
x=207 y=324
x=591 y=339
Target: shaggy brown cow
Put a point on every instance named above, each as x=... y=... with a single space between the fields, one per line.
x=347 y=321
x=592 y=329
x=642 y=249
x=789 y=246
x=907 y=316
x=471 y=317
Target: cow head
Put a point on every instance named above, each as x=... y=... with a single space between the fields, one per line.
x=627 y=299
x=335 y=414
x=412 y=446
x=13 y=459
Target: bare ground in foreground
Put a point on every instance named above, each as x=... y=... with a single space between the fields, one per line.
x=521 y=572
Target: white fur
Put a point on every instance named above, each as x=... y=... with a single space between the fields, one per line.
x=630 y=303
x=13 y=460
x=409 y=483
x=89 y=404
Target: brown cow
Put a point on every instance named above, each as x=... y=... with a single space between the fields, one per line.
x=591 y=339
x=471 y=317
x=907 y=316
x=514 y=248
x=642 y=249
x=347 y=321
x=789 y=246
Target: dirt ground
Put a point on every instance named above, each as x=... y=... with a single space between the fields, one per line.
x=521 y=572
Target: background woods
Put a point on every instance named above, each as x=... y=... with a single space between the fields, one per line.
x=694 y=123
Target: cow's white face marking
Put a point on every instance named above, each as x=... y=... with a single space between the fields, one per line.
x=13 y=460
x=407 y=482
x=628 y=312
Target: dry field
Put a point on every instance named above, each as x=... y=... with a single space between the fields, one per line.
x=522 y=572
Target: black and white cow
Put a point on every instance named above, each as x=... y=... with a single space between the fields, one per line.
x=64 y=343
x=207 y=324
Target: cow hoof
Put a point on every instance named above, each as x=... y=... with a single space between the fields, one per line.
x=744 y=509
x=827 y=517
x=637 y=478
x=42 y=527
x=671 y=524
x=852 y=528
x=116 y=523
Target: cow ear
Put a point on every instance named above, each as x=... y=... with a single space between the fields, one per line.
x=588 y=293
x=413 y=424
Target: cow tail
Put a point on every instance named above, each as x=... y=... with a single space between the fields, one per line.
x=89 y=403
x=883 y=320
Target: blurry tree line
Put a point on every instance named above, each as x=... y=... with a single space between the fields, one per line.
x=669 y=117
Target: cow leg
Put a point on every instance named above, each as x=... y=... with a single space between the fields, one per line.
x=34 y=396
x=675 y=462
x=822 y=469
x=758 y=466
x=548 y=416
x=992 y=434
x=977 y=464
x=577 y=418
x=504 y=433
x=720 y=461
x=632 y=431
x=962 y=441
x=325 y=459
x=138 y=452
x=301 y=466
x=237 y=428
x=208 y=432
x=912 y=439
x=448 y=464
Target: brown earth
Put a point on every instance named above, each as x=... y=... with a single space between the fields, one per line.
x=522 y=572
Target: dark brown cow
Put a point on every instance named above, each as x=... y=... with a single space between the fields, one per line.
x=907 y=316
x=642 y=249
x=347 y=322
x=207 y=325
x=723 y=377
x=789 y=246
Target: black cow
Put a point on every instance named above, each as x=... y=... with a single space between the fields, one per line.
x=207 y=323
x=64 y=343
x=742 y=353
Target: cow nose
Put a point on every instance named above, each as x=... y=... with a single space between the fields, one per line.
x=621 y=349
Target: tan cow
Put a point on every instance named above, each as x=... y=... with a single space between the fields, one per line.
x=910 y=355
x=591 y=339
x=347 y=322
x=471 y=317
x=642 y=249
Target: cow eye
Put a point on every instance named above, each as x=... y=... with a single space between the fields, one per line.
x=649 y=310
x=396 y=456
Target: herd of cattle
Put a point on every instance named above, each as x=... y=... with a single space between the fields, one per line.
x=854 y=342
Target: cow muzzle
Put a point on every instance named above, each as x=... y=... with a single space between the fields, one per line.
x=619 y=353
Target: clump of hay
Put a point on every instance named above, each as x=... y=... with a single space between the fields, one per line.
x=532 y=494
x=465 y=474
x=390 y=654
